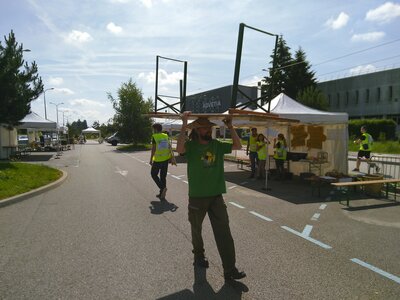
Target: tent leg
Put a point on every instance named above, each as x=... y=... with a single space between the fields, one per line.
x=266 y=188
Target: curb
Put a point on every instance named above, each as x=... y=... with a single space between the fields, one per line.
x=32 y=193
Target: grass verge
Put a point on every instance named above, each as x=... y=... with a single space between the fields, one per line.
x=17 y=178
x=385 y=147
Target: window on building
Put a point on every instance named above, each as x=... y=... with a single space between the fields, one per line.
x=357 y=96
x=329 y=100
x=378 y=94
x=367 y=96
x=390 y=92
x=347 y=98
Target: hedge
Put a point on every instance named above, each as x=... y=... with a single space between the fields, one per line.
x=380 y=129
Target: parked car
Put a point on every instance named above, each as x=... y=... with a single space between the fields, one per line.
x=113 y=139
x=22 y=140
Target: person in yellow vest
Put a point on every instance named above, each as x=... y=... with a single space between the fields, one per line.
x=280 y=155
x=365 y=142
x=262 y=154
x=251 y=151
x=160 y=156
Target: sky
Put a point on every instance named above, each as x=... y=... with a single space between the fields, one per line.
x=86 y=49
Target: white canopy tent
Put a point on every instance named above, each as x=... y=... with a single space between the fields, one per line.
x=34 y=121
x=90 y=130
x=317 y=131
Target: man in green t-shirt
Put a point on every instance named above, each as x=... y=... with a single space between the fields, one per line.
x=205 y=163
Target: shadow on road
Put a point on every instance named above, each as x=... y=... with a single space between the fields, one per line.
x=232 y=290
x=159 y=207
x=296 y=191
x=38 y=157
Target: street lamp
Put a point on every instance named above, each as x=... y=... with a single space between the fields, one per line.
x=56 y=109
x=44 y=97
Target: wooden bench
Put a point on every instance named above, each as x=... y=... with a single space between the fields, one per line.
x=343 y=186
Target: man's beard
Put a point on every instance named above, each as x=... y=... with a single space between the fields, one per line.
x=206 y=137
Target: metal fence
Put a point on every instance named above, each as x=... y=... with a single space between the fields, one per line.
x=389 y=166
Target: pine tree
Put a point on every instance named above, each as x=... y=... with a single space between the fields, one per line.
x=19 y=83
x=300 y=75
x=313 y=97
x=278 y=78
x=291 y=76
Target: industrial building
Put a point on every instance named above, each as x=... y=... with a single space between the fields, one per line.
x=372 y=95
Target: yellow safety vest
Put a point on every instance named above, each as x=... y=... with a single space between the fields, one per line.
x=253 y=143
x=280 y=153
x=262 y=152
x=366 y=144
x=162 y=152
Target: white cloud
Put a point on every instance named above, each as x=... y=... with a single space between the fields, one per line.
x=55 y=81
x=64 y=91
x=362 y=69
x=384 y=13
x=253 y=81
x=78 y=36
x=163 y=77
x=120 y=1
x=339 y=22
x=111 y=27
x=368 y=37
x=147 y=3
x=85 y=102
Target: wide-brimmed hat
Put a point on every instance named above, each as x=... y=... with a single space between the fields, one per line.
x=200 y=122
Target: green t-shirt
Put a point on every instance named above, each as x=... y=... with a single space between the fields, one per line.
x=205 y=167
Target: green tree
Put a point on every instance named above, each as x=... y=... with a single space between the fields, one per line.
x=290 y=75
x=19 y=83
x=300 y=75
x=107 y=129
x=130 y=107
x=313 y=97
x=76 y=127
x=96 y=124
x=278 y=78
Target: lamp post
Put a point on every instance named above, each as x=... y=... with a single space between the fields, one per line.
x=44 y=98
x=57 y=109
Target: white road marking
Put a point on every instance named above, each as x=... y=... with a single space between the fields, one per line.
x=260 y=216
x=315 y=217
x=185 y=181
x=237 y=205
x=122 y=172
x=307 y=230
x=176 y=177
x=231 y=187
x=376 y=270
x=325 y=246
x=244 y=182
x=323 y=206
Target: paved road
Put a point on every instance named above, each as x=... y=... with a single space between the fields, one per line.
x=104 y=235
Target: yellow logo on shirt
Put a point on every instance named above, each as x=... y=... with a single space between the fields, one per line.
x=208 y=159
